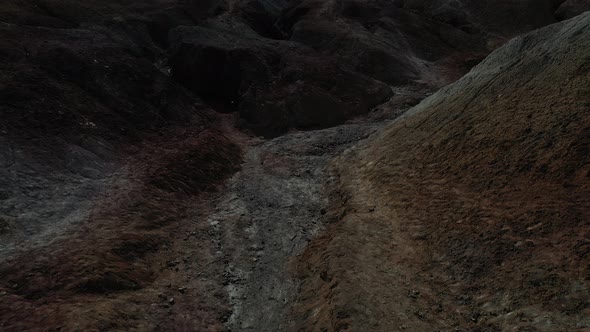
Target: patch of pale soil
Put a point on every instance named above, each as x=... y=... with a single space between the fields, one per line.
x=273 y=208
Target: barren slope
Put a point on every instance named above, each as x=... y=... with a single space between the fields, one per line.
x=471 y=211
x=101 y=157
x=114 y=154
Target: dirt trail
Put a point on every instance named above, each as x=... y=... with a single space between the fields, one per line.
x=221 y=260
x=273 y=207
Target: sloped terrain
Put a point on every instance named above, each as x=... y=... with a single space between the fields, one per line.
x=404 y=41
x=75 y=101
x=164 y=164
x=571 y=8
x=101 y=157
x=469 y=212
x=276 y=85
x=313 y=64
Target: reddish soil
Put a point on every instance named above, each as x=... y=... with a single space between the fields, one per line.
x=470 y=212
x=138 y=249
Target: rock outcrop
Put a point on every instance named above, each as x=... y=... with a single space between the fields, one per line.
x=275 y=85
x=115 y=139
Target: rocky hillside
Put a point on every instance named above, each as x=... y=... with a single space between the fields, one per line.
x=469 y=212
x=150 y=148
x=101 y=155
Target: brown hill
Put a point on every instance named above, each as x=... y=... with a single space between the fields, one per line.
x=470 y=211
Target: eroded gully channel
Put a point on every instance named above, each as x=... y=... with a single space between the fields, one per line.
x=273 y=207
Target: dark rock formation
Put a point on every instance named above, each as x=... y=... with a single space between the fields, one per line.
x=507 y=17
x=378 y=38
x=100 y=151
x=571 y=8
x=274 y=84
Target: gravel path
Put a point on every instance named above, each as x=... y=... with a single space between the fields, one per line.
x=274 y=206
x=272 y=209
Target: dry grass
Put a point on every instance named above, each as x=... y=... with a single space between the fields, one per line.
x=471 y=211
x=107 y=273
